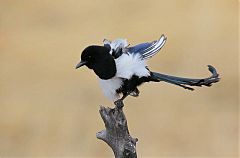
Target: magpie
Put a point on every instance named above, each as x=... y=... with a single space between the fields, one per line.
x=121 y=69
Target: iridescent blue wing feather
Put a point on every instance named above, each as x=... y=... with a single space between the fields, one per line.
x=148 y=50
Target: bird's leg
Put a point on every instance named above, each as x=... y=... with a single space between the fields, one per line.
x=119 y=102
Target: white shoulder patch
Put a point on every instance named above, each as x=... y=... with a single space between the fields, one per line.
x=129 y=65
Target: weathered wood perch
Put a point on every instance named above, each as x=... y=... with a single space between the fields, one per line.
x=116 y=134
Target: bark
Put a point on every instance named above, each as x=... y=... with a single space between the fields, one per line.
x=116 y=134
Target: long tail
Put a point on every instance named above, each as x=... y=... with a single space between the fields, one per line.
x=186 y=82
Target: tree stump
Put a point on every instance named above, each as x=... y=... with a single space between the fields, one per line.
x=116 y=134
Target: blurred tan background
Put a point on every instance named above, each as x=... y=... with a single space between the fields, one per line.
x=47 y=108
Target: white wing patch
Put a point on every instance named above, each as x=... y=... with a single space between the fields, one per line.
x=119 y=43
x=116 y=44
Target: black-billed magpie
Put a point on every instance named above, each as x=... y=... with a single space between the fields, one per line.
x=121 y=68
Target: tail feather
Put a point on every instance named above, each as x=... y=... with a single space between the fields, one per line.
x=186 y=82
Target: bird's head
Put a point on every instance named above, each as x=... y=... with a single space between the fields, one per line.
x=100 y=60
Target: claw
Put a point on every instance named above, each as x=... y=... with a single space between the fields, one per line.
x=135 y=93
x=119 y=104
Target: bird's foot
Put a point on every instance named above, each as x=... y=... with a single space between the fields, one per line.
x=119 y=103
x=135 y=93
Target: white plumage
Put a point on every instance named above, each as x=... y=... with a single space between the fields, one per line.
x=129 y=65
x=117 y=43
x=110 y=86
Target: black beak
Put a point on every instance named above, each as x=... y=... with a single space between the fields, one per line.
x=80 y=64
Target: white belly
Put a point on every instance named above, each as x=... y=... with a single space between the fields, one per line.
x=110 y=86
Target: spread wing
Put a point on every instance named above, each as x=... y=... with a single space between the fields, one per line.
x=148 y=50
